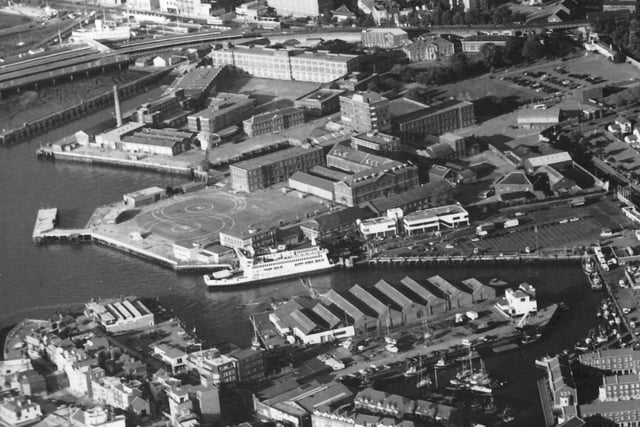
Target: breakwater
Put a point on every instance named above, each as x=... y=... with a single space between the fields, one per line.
x=74 y=112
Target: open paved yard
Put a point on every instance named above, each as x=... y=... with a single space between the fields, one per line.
x=265 y=90
x=200 y=217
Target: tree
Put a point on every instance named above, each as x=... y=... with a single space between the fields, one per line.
x=619 y=58
x=460 y=65
x=458 y=18
x=532 y=49
x=491 y=55
x=512 y=53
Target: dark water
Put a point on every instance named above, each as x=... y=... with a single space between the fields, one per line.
x=35 y=281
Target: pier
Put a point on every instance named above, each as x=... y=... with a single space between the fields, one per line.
x=474 y=259
x=45 y=229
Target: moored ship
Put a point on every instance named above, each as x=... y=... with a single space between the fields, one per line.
x=272 y=266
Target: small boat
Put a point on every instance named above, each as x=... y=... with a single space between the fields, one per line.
x=530 y=335
x=562 y=306
x=595 y=282
x=442 y=364
x=478 y=388
x=497 y=283
x=588 y=266
x=507 y=415
x=411 y=372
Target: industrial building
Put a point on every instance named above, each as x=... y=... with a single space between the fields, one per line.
x=412 y=120
x=310 y=184
x=412 y=312
x=321 y=102
x=143 y=197
x=454 y=297
x=473 y=44
x=477 y=290
x=429 y=195
x=265 y=171
x=120 y=315
x=538 y=118
x=365 y=112
x=384 y=38
x=335 y=223
x=223 y=111
x=164 y=142
x=167 y=111
x=376 y=143
x=351 y=160
x=273 y=121
x=199 y=81
x=512 y=184
x=301 y=8
x=285 y=64
x=377 y=182
x=361 y=322
x=433 y=219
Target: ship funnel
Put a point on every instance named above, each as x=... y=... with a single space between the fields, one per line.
x=116 y=101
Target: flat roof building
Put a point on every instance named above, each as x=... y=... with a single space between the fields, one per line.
x=321 y=102
x=271 y=122
x=146 y=196
x=413 y=120
x=262 y=172
x=351 y=160
x=376 y=142
x=311 y=184
x=365 y=112
x=377 y=182
x=431 y=194
x=385 y=38
x=433 y=219
x=286 y=64
x=223 y=111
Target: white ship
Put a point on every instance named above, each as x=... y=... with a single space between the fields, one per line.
x=103 y=32
x=271 y=267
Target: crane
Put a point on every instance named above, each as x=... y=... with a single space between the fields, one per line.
x=523 y=321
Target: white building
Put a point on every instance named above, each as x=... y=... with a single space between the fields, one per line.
x=97 y=417
x=429 y=220
x=378 y=227
x=517 y=303
x=120 y=315
x=303 y=8
x=16 y=411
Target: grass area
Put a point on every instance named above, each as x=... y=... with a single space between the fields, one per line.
x=29 y=105
x=597 y=65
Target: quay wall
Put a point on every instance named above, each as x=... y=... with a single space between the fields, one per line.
x=58 y=118
x=484 y=259
x=101 y=160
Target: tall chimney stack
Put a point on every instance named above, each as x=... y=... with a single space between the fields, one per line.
x=116 y=101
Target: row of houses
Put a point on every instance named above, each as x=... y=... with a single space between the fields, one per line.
x=359 y=311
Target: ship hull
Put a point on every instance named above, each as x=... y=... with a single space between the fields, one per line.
x=243 y=280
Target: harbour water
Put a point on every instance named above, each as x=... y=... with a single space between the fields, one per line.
x=38 y=280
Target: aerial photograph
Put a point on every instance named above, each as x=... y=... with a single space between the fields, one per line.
x=319 y=213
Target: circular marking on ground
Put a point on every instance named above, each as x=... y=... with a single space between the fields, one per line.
x=199 y=208
x=185 y=228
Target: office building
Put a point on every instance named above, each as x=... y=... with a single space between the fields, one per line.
x=434 y=219
x=385 y=38
x=285 y=64
x=377 y=182
x=213 y=367
x=273 y=121
x=320 y=103
x=265 y=171
x=350 y=160
x=301 y=8
x=376 y=142
x=413 y=120
x=365 y=112
x=223 y=111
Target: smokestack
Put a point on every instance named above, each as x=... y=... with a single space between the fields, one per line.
x=116 y=101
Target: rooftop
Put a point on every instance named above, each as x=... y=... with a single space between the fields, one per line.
x=394 y=31
x=288 y=153
x=514 y=178
x=417 y=194
x=198 y=78
x=435 y=212
x=312 y=180
x=486 y=38
x=366 y=97
x=357 y=156
x=270 y=115
x=323 y=94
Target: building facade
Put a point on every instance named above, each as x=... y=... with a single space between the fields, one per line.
x=385 y=38
x=376 y=142
x=321 y=102
x=223 y=111
x=412 y=120
x=365 y=112
x=301 y=8
x=428 y=49
x=262 y=172
x=273 y=121
x=287 y=64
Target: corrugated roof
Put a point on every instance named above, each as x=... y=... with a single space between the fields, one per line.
x=302 y=322
x=344 y=305
x=393 y=294
x=443 y=285
x=326 y=315
x=371 y=301
x=420 y=290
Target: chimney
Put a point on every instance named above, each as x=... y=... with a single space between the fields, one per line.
x=116 y=101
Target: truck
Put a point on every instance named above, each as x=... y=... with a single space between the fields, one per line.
x=513 y=222
x=484 y=229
